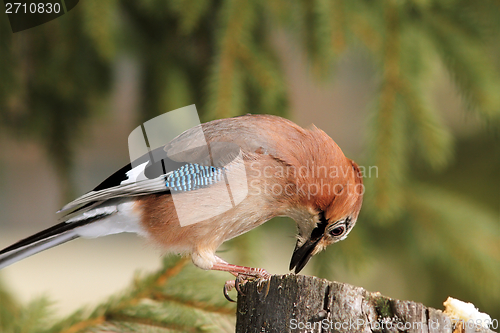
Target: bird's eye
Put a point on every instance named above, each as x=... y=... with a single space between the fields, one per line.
x=337 y=231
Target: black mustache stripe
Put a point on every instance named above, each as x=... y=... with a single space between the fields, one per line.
x=319 y=231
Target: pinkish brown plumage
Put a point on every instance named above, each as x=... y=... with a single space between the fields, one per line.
x=291 y=171
x=287 y=171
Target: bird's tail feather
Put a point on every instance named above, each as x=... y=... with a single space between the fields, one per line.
x=43 y=240
x=9 y=257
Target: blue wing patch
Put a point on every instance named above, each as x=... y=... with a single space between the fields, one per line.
x=193 y=176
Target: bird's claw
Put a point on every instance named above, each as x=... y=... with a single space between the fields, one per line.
x=240 y=280
x=260 y=276
x=234 y=284
x=260 y=285
x=228 y=286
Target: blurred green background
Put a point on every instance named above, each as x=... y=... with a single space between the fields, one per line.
x=411 y=87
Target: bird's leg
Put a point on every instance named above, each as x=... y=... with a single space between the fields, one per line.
x=249 y=272
x=242 y=273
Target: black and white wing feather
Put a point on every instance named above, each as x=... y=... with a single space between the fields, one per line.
x=103 y=210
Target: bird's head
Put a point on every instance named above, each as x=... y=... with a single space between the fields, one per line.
x=328 y=215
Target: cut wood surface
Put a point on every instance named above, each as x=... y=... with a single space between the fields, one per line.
x=297 y=303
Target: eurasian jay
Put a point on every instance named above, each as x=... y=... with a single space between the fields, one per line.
x=266 y=165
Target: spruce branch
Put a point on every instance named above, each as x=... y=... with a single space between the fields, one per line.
x=389 y=137
x=169 y=299
x=236 y=22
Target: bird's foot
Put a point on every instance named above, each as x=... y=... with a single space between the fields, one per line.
x=256 y=274
x=233 y=284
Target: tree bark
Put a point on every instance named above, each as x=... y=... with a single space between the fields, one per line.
x=297 y=303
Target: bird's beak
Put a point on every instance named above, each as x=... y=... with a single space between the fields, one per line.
x=302 y=254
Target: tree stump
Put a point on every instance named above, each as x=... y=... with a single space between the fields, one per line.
x=297 y=303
